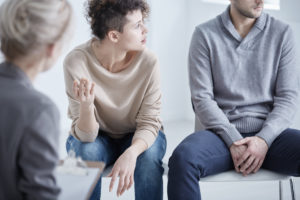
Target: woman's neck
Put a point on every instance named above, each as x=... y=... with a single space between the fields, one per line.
x=30 y=67
x=110 y=56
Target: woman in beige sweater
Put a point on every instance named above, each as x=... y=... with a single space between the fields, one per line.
x=113 y=86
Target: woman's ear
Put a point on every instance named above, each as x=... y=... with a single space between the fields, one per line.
x=113 y=36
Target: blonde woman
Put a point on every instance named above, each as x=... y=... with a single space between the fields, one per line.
x=112 y=82
x=32 y=35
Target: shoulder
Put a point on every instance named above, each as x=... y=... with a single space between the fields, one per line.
x=279 y=33
x=147 y=61
x=277 y=26
x=45 y=117
x=206 y=32
x=148 y=57
x=77 y=63
x=28 y=104
x=39 y=102
x=79 y=54
x=146 y=65
x=209 y=27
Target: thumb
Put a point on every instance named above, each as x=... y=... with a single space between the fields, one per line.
x=92 y=89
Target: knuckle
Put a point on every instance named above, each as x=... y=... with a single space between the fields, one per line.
x=250 y=150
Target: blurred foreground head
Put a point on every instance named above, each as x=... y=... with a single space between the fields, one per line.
x=29 y=27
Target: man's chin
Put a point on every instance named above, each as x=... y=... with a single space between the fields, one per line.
x=257 y=15
x=254 y=15
x=257 y=12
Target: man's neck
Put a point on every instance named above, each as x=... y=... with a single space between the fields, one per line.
x=241 y=23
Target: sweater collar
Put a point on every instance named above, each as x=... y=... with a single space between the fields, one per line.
x=226 y=20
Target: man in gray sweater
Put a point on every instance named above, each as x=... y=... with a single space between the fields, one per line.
x=244 y=83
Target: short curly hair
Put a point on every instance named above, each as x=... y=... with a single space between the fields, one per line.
x=107 y=15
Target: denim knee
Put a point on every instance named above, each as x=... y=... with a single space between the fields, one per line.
x=152 y=157
x=148 y=172
x=181 y=157
x=148 y=159
x=86 y=150
x=156 y=151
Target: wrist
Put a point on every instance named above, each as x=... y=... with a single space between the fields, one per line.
x=134 y=151
x=261 y=140
x=233 y=146
x=86 y=107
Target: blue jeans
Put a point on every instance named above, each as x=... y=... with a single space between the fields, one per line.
x=204 y=153
x=148 y=171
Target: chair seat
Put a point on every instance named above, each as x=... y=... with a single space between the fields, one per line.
x=229 y=176
x=232 y=176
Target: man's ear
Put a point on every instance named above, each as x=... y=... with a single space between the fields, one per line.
x=50 y=50
x=113 y=36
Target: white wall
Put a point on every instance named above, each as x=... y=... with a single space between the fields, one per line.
x=168 y=25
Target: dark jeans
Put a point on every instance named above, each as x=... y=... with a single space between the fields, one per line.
x=148 y=171
x=204 y=153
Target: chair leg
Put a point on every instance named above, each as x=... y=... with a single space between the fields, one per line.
x=292 y=188
x=280 y=190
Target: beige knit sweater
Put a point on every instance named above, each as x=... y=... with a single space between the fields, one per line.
x=126 y=101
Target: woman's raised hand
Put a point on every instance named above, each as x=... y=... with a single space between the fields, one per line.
x=84 y=92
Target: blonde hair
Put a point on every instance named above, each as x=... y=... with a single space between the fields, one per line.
x=25 y=25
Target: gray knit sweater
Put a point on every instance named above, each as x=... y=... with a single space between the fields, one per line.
x=242 y=85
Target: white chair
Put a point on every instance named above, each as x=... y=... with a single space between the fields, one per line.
x=261 y=176
x=258 y=180
x=231 y=178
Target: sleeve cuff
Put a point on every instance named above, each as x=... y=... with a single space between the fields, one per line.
x=86 y=137
x=145 y=135
x=267 y=134
x=230 y=135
